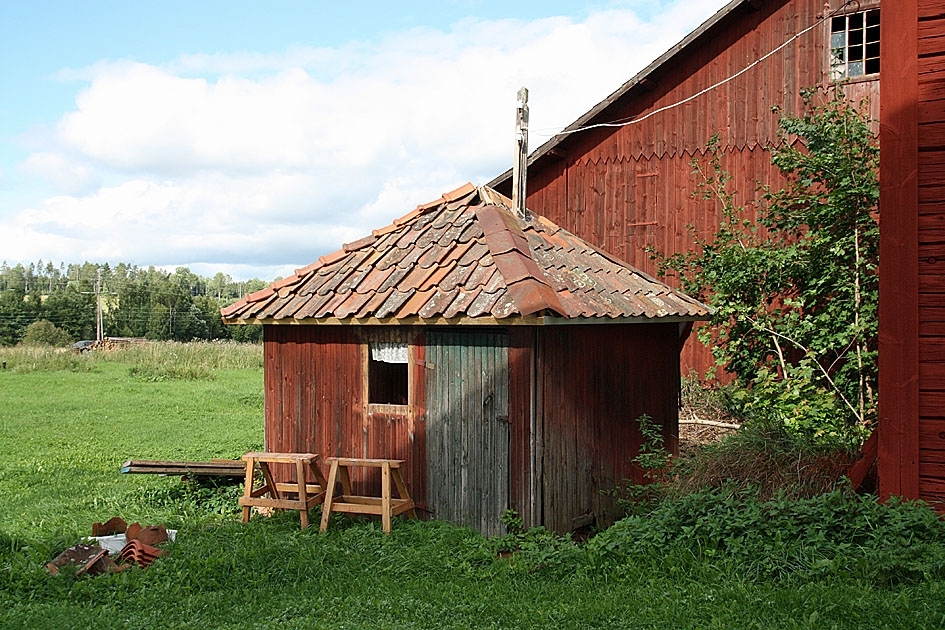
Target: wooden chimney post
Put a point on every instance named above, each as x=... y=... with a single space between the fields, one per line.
x=520 y=166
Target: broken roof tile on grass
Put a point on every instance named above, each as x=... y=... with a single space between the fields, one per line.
x=466 y=256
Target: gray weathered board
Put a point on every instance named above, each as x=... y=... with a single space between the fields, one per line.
x=217 y=468
x=467 y=431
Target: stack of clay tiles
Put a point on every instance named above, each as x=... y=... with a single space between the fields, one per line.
x=139 y=549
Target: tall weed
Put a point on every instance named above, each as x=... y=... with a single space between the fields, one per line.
x=24 y=359
x=833 y=534
x=768 y=457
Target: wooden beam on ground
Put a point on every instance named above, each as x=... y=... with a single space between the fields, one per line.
x=215 y=468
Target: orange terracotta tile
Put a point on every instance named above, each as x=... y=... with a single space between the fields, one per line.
x=476 y=253
x=328 y=308
x=471 y=231
x=374 y=279
x=396 y=276
x=416 y=302
x=333 y=257
x=428 y=236
x=457 y=276
x=260 y=295
x=416 y=277
x=352 y=305
x=464 y=255
x=411 y=258
x=387 y=229
x=437 y=303
x=309 y=268
x=433 y=255
x=392 y=304
x=460 y=303
x=408 y=239
x=480 y=276
x=483 y=303
x=434 y=280
x=287 y=308
x=504 y=307
x=460 y=192
x=285 y=282
x=452 y=234
x=360 y=243
x=232 y=309
x=371 y=306
x=409 y=217
x=513 y=267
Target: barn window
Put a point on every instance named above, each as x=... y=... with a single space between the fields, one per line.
x=854 y=45
x=387 y=373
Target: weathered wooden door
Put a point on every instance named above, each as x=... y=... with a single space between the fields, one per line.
x=467 y=430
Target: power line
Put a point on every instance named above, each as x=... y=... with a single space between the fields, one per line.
x=732 y=77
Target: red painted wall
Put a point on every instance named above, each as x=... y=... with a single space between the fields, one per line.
x=631 y=188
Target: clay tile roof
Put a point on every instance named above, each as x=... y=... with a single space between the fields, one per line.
x=466 y=255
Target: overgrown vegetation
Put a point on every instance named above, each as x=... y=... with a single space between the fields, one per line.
x=837 y=535
x=795 y=293
x=718 y=558
x=152 y=361
x=766 y=458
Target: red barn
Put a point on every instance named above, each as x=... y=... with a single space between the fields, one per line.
x=912 y=252
x=506 y=360
x=620 y=176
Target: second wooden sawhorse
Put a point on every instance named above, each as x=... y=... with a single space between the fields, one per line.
x=306 y=495
x=385 y=505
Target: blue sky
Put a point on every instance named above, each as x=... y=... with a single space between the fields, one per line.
x=251 y=138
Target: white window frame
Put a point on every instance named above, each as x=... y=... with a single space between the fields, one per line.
x=854 y=45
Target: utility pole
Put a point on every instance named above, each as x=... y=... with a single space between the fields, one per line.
x=520 y=166
x=99 y=322
x=99 y=333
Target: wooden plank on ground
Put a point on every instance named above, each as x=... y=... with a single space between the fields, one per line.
x=215 y=468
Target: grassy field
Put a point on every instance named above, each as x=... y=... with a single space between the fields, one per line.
x=67 y=422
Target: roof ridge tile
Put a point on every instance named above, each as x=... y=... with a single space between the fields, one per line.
x=360 y=243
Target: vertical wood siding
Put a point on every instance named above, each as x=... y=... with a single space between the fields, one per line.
x=898 y=446
x=525 y=440
x=539 y=420
x=930 y=118
x=631 y=188
x=315 y=402
x=468 y=427
x=595 y=382
x=912 y=251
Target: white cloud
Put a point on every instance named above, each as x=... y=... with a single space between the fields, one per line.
x=66 y=173
x=253 y=161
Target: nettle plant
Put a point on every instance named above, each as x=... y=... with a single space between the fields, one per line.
x=795 y=292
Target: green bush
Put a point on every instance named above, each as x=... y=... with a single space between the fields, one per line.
x=45 y=333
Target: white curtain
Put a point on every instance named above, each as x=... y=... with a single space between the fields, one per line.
x=389 y=351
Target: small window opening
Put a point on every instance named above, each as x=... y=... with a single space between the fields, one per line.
x=387 y=373
x=854 y=45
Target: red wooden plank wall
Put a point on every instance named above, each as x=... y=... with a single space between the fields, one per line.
x=899 y=242
x=594 y=382
x=930 y=116
x=315 y=403
x=912 y=255
x=524 y=469
x=630 y=188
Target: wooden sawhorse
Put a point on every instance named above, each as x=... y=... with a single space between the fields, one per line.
x=307 y=495
x=384 y=505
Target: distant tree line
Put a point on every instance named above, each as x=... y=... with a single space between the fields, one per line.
x=136 y=302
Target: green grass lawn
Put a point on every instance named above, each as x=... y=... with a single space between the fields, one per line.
x=64 y=434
